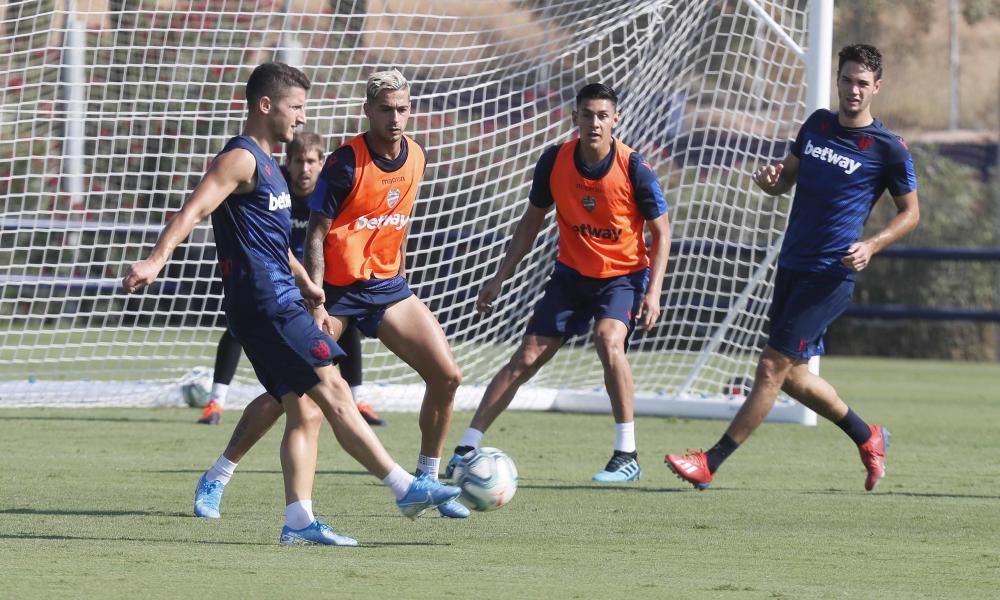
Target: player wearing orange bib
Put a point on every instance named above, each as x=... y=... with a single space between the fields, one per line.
x=355 y=248
x=604 y=192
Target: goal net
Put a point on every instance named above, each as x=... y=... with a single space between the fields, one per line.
x=112 y=110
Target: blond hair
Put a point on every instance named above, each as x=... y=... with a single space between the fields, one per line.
x=381 y=81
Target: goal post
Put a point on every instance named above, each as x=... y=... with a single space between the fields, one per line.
x=112 y=110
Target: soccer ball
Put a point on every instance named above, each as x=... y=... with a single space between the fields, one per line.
x=487 y=477
x=196 y=387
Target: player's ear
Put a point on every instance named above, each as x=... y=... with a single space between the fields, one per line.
x=264 y=104
x=876 y=86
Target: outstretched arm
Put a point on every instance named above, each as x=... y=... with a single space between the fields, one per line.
x=524 y=239
x=778 y=178
x=231 y=172
x=649 y=309
x=859 y=254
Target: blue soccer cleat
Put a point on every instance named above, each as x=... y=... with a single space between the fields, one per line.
x=424 y=494
x=208 y=497
x=623 y=466
x=453 y=509
x=318 y=533
x=460 y=451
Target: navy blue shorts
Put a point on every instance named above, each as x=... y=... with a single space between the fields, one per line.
x=804 y=305
x=285 y=349
x=365 y=302
x=571 y=301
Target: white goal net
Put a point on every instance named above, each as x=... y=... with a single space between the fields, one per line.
x=112 y=109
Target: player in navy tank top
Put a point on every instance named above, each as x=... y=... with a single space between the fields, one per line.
x=266 y=291
x=841 y=163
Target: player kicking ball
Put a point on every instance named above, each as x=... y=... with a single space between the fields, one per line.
x=841 y=163
x=604 y=192
x=266 y=294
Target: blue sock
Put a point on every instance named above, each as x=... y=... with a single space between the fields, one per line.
x=855 y=427
x=720 y=452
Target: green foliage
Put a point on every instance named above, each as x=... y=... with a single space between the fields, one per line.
x=96 y=503
x=957 y=210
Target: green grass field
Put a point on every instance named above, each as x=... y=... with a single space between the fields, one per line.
x=96 y=503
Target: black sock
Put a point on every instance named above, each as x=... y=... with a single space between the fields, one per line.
x=632 y=454
x=855 y=427
x=463 y=450
x=720 y=452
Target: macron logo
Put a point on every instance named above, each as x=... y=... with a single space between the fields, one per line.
x=279 y=202
x=848 y=164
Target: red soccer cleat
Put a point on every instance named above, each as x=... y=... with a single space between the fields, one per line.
x=873 y=455
x=692 y=468
x=212 y=414
x=371 y=417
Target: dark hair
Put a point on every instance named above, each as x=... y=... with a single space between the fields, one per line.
x=596 y=91
x=867 y=56
x=302 y=143
x=272 y=79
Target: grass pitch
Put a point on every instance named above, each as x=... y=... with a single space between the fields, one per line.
x=97 y=503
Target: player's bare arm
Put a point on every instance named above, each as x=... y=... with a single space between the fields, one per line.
x=521 y=243
x=230 y=173
x=311 y=292
x=778 y=178
x=649 y=309
x=315 y=262
x=859 y=254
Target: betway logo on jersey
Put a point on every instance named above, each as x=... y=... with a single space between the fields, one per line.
x=279 y=202
x=394 y=220
x=848 y=164
x=601 y=233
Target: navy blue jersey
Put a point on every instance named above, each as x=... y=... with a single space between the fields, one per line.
x=648 y=195
x=251 y=239
x=300 y=219
x=842 y=173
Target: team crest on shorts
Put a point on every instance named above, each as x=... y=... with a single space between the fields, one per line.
x=589 y=202
x=320 y=350
x=393 y=198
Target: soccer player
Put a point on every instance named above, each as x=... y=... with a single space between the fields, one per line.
x=604 y=192
x=266 y=293
x=840 y=162
x=361 y=207
x=355 y=248
x=304 y=159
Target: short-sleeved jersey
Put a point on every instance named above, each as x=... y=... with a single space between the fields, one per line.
x=251 y=238
x=843 y=171
x=600 y=209
x=369 y=200
x=300 y=218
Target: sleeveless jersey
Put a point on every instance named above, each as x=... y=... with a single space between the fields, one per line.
x=251 y=239
x=600 y=223
x=369 y=223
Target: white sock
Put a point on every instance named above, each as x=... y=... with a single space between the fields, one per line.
x=222 y=470
x=398 y=481
x=429 y=465
x=625 y=436
x=359 y=393
x=299 y=515
x=471 y=437
x=219 y=393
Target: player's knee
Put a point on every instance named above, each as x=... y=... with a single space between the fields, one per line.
x=773 y=367
x=609 y=341
x=311 y=415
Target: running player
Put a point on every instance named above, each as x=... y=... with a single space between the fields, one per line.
x=304 y=159
x=603 y=192
x=266 y=292
x=841 y=163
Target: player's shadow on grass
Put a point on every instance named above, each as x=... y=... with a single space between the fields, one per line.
x=84 y=419
x=56 y=512
x=908 y=494
x=573 y=487
x=269 y=472
x=34 y=536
